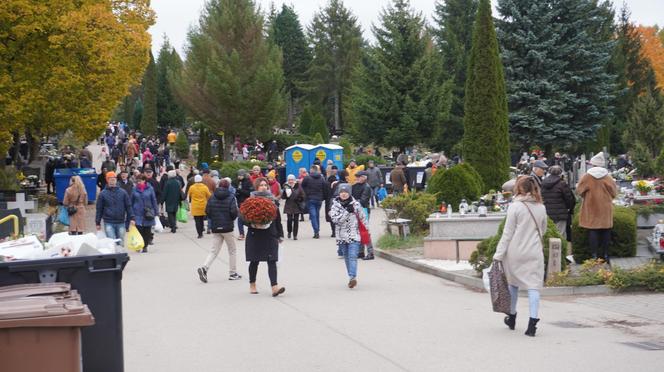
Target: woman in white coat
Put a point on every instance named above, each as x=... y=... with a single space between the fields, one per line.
x=521 y=250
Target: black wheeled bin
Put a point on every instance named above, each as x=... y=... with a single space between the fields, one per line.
x=98 y=280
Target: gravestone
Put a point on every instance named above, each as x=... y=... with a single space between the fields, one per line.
x=38 y=224
x=22 y=204
x=555 y=252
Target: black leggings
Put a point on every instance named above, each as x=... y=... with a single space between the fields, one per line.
x=271 y=271
x=172 y=221
x=599 y=239
x=200 y=224
x=146 y=234
x=292 y=223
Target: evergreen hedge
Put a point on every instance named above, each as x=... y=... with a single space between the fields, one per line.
x=230 y=168
x=454 y=184
x=623 y=235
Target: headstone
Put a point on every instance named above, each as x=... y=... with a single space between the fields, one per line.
x=555 y=251
x=37 y=224
x=22 y=204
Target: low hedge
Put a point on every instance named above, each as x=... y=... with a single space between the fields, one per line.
x=454 y=184
x=230 y=168
x=648 y=277
x=364 y=160
x=623 y=235
x=414 y=206
x=483 y=256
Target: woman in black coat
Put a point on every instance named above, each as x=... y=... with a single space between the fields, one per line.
x=294 y=196
x=262 y=245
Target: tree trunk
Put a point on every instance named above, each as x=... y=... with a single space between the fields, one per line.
x=34 y=143
x=225 y=151
x=337 y=112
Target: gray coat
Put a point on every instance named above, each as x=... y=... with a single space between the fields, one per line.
x=374 y=177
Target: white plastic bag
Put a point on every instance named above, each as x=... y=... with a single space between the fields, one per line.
x=157 y=225
x=485 y=278
x=101 y=234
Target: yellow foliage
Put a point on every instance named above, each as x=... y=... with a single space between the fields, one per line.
x=653 y=50
x=65 y=64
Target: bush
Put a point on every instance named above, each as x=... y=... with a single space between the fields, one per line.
x=476 y=176
x=318 y=140
x=182 y=145
x=454 y=184
x=483 y=256
x=230 y=168
x=8 y=180
x=364 y=160
x=649 y=276
x=414 y=206
x=623 y=235
x=348 y=148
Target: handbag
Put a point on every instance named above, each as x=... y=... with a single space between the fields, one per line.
x=63 y=216
x=365 y=236
x=148 y=213
x=71 y=210
x=500 y=294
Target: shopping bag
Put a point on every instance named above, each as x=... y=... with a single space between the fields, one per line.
x=164 y=221
x=485 y=279
x=63 y=216
x=365 y=236
x=182 y=214
x=500 y=293
x=101 y=234
x=134 y=240
x=158 y=227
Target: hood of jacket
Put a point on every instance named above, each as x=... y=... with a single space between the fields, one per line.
x=598 y=172
x=550 y=182
x=221 y=194
x=315 y=175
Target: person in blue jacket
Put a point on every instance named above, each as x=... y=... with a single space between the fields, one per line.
x=145 y=208
x=114 y=207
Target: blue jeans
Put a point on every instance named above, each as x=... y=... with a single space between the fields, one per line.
x=374 y=195
x=314 y=214
x=115 y=231
x=240 y=225
x=533 y=300
x=349 y=251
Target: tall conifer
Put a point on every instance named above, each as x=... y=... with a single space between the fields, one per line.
x=149 y=115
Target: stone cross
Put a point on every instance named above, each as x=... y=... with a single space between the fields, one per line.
x=555 y=253
x=21 y=204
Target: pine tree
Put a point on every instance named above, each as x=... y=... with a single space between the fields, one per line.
x=556 y=55
x=645 y=125
x=306 y=119
x=318 y=127
x=286 y=32
x=169 y=112
x=393 y=103
x=486 y=139
x=149 y=117
x=138 y=114
x=337 y=42
x=454 y=20
x=232 y=78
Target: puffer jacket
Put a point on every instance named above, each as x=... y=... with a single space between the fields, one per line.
x=315 y=187
x=347 y=228
x=113 y=206
x=222 y=211
x=140 y=200
x=362 y=193
x=558 y=198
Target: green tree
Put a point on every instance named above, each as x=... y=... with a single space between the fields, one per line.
x=394 y=103
x=556 y=55
x=306 y=119
x=318 y=139
x=149 y=118
x=182 y=145
x=286 y=32
x=318 y=126
x=169 y=111
x=486 y=138
x=138 y=114
x=232 y=78
x=337 y=42
x=645 y=125
x=453 y=33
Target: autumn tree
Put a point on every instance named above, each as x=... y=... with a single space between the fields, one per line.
x=65 y=64
x=653 y=50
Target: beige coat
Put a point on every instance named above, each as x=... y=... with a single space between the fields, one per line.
x=598 y=190
x=76 y=221
x=520 y=247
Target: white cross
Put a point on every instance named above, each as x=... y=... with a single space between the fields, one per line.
x=21 y=204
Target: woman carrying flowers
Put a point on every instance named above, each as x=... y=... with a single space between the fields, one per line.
x=265 y=233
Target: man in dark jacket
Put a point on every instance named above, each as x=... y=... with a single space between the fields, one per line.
x=149 y=178
x=316 y=188
x=49 y=175
x=558 y=199
x=172 y=196
x=243 y=189
x=125 y=183
x=361 y=192
x=114 y=208
x=374 y=179
x=222 y=210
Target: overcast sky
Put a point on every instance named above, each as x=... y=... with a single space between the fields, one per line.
x=174 y=17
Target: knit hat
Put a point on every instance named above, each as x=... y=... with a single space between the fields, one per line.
x=291 y=177
x=241 y=172
x=214 y=173
x=110 y=174
x=198 y=178
x=598 y=160
x=345 y=187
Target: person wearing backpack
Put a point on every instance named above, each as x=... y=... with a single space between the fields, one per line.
x=222 y=210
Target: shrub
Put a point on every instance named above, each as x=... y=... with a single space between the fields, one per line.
x=348 y=148
x=483 y=256
x=476 y=176
x=287 y=140
x=230 y=168
x=455 y=184
x=623 y=235
x=414 y=206
x=182 y=145
x=649 y=276
x=8 y=180
x=364 y=160
x=318 y=139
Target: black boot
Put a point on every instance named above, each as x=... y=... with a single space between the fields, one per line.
x=532 y=327
x=510 y=320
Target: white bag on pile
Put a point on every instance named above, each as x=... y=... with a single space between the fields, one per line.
x=26 y=248
x=73 y=243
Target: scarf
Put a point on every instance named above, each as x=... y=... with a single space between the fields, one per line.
x=142 y=186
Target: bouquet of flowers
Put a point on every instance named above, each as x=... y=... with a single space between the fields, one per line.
x=643 y=186
x=259 y=212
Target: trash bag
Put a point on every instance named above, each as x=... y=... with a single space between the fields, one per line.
x=158 y=227
x=101 y=234
x=182 y=214
x=134 y=240
x=500 y=292
x=63 y=216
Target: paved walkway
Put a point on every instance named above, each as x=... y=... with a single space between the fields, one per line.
x=395 y=320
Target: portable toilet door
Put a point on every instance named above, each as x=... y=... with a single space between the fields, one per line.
x=328 y=152
x=298 y=156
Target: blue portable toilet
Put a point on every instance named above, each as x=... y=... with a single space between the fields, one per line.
x=328 y=152
x=88 y=176
x=298 y=156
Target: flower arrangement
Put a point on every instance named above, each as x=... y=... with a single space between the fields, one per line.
x=643 y=187
x=258 y=211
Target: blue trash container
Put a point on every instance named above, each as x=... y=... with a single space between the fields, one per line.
x=88 y=176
